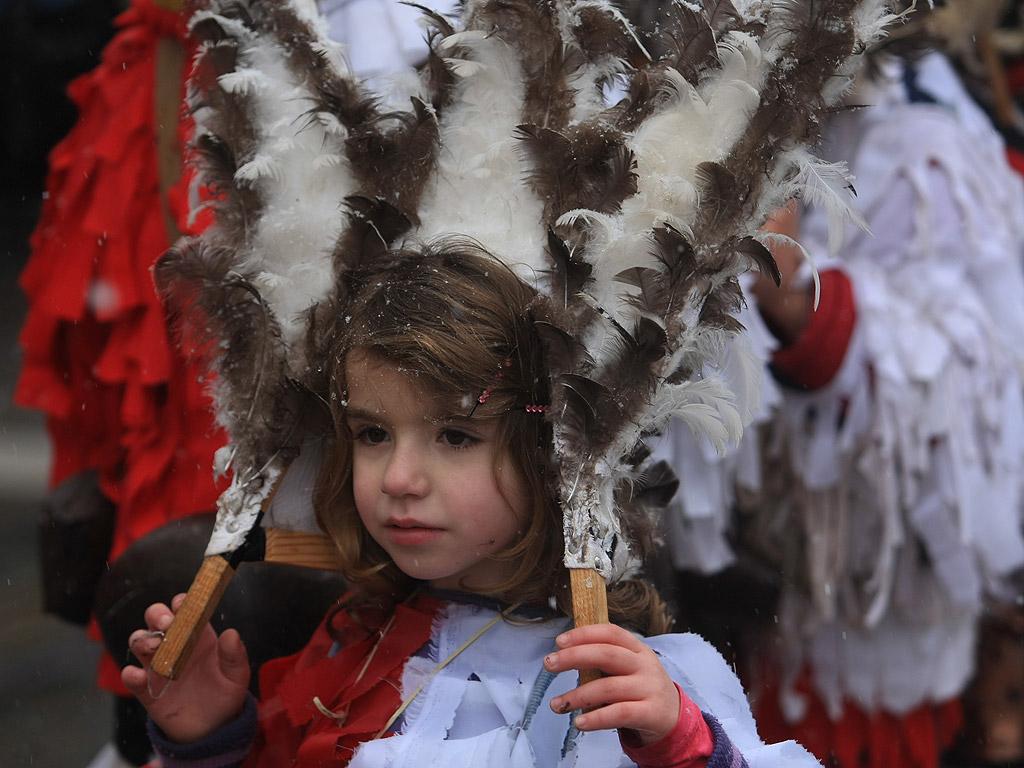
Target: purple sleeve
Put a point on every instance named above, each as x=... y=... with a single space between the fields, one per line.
x=725 y=754
x=224 y=748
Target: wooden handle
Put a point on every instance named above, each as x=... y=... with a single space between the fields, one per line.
x=589 y=606
x=191 y=619
x=310 y=550
x=1002 y=98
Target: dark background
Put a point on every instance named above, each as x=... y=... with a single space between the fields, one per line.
x=51 y=714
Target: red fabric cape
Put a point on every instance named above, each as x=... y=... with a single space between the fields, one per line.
x=98 y=359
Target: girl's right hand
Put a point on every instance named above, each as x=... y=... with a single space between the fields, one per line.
x=208 y=694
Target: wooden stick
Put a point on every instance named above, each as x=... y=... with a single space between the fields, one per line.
x=167 y=108
x=310 y=550
x=200 y=602
x=1002 y=98
x=589 y=606
x=191 y=619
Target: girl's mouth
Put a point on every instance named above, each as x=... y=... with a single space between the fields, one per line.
x=411 y=533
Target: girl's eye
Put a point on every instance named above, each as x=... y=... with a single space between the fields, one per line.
x=456 y=438
x=371 y=435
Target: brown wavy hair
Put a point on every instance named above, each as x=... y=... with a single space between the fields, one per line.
x=452 y=316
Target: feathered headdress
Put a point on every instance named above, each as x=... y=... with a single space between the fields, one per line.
x=628 y=190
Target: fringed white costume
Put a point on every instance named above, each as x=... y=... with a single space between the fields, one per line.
x=889 y=500
x=491 y=706
x=910 y=460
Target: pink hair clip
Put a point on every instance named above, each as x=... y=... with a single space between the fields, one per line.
x=487 y=392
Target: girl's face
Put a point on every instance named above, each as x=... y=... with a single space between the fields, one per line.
x=427 y=485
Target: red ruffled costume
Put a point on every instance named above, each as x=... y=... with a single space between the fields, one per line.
x=365 y=675
x=860 y=739
x=98 y=358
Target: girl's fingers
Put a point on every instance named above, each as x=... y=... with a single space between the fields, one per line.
x=598 y=693
x=158 y=617
x=610 y=659
x=611 y=634
x=627 y=714
x=134 y=679
x=635 y=693
x=604 y=704
x=234 y=661
x=143 y=644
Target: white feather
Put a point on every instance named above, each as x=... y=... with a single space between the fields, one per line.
x=244 y=82
x=769 y=239
x=302 y=183
x=260 y=167
x=826 y=185
x=465 y=67
x=477 y=133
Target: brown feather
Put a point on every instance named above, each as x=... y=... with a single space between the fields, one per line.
x=588 y=166
x=720 y=193
x=548 y=97
x=373 y=227
x=722 y=16
x=583 y=405
x=720 y=307
x=232 y=137
x=601 y=33
x=630 y=371
x=654 y=296
x=395 y=162
x=761 y=257
x=439 y=79
x=340 y=96
x=689 y=42
x=221 y=58
x=570 y=273
x=222 y=317
x=643 y=98
x=564 y=347
x=655 y=486
x=675 y=253
x=822 y=37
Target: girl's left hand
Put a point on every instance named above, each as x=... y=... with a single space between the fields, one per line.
x=635 y=693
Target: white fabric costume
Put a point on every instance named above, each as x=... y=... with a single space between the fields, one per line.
x=491 y=705
x=905 y=509
x=383 y=41
x=910 y=459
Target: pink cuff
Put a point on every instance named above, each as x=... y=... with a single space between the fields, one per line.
x=688 y=745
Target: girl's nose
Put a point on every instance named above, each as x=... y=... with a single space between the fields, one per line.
x=406 y=473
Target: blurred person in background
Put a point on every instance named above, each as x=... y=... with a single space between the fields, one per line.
x=879 y=509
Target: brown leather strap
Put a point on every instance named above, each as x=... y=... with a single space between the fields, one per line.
x=170 y=5
x=167 y=106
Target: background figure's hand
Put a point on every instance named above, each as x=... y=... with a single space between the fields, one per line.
x=786 y=309
x=208 y=694
x=636 y=692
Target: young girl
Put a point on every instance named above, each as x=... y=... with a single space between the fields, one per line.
x=456 y=646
